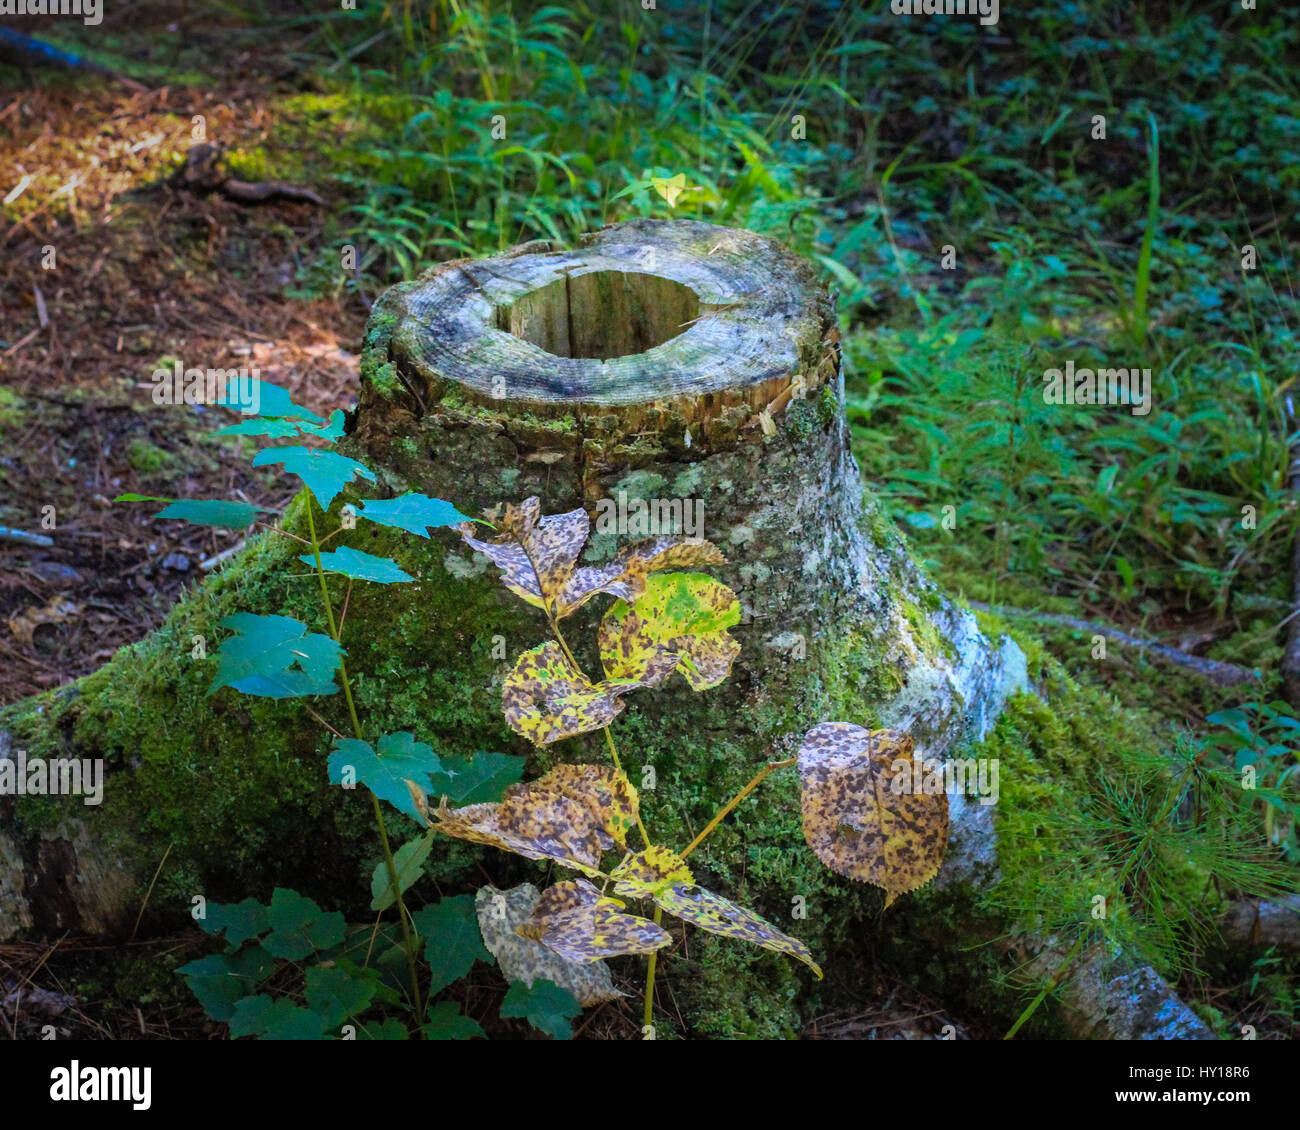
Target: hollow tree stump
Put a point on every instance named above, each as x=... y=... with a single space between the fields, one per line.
x=690 y=368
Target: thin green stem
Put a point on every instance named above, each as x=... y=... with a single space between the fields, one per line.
x=650 y=978
x=1049 y=987
x=609 y=737
x=735 y=800
x=408 y=942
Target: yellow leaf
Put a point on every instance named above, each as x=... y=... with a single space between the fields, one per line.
x=866 y=812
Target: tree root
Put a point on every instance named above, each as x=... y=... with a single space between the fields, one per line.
x=1220 y=674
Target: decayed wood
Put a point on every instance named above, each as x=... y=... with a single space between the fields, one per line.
x=1270 y=922
x=740 y=413
x=688 y=329
x=1219 y=673
x=656 y=359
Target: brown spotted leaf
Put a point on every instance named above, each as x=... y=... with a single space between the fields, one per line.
x=646 y=873
x=661 y=875
x=678 y=623
x=546 y=698
x=861 y=813
x=580 y=924
x=570 y=815
x=538 y=558
x=536 y=555
x=625 y=576
x=501 y=914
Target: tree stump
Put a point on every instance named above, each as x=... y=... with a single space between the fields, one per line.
x=660 y=374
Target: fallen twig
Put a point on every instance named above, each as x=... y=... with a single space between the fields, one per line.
x=22 y=537
x=1220 y=674
x=202 y=173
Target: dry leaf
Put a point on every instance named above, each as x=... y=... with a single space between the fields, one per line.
x=661 y=875
x=538 y=558
x=501 y=913
x=679 y=623
x=861 y=814
x=581 y=925
x=55 y=611
x=545 y=698
x=570 y=815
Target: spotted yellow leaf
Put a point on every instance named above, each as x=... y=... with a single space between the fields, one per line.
x=661 y=875
x=646 y=873
x=679 y=623
x=538 y=558
x=546 y=698
x=536 y=555
x=501 y=914
x=570 y=815
x=580 y=924
x=862 y=814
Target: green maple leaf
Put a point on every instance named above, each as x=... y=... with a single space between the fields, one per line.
x=387 y=1029
x=415 y=513
x=325 y=473
x=447 y=1023
x=339 y=991
x=220 y=981
x=271 y=400
x=299 y=926
x=202 y=511
x=360 y=565
x=452 y=942
x=275 y=428
x=260 y=658
x=276 y=1020
x=386 y=769
x=545 y=1006
x=240 y=921
x=473 y=780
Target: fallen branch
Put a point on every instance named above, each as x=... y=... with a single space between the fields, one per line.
x=22 y=537
x=1220 y=674
x=1252 y=922
x=202 y=173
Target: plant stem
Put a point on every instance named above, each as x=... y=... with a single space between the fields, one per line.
x=735 y=800
x=408 y=942
x=609 y=737
x=650 y=978
x=1049 y=987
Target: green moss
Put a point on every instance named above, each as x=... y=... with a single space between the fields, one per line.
x=931 y=640
x=11 y=409
x=148 y=458
x=385 y=380
x=248 y=164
